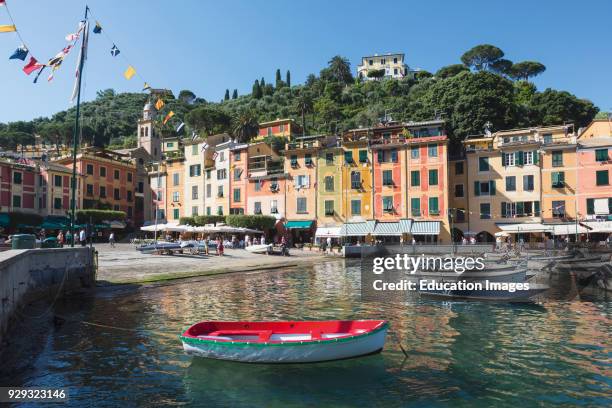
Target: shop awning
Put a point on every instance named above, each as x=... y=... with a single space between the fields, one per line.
x=597 y=226
x=425 y=228
x=524 y=228
x=324 y=232
x=568 y=229
x=405 y=226
x=298 y=224
x=357 y=228
x=387 y=229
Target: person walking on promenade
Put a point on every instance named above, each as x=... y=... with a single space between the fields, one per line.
x=329 y=244
x=83 y=237
x=206 y=243
x=220 y=247
x=60 y=238
x=111 y=239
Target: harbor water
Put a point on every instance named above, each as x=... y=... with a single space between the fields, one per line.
x=120 y=346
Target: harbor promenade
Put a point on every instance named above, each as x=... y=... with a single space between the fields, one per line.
x=124 y=264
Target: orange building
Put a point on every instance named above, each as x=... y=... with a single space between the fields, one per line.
x=286 y=128
x=175 y=189
x=109 y=179
x=238 y=179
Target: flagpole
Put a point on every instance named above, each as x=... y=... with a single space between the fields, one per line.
x=75 y=141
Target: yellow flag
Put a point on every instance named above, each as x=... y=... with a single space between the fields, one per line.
x=159 y=104
x=168 y=116
x=129 y=73
x=146 y=86
x=7 y=28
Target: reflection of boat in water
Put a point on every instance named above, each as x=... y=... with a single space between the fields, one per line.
x=493 y=273
x=223 y=383
x=285 y=342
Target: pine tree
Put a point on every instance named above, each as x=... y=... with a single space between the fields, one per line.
x=256 y=92
x=235 y=94
x=226 y=95
x=279 y=81
x=262 y=83
x=288 y=79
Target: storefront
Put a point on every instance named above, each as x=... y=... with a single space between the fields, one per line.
x=300 y=232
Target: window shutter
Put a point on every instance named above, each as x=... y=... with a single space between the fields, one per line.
x=381 y=156
x=520 y=158
x=503 y=209
x=492 y=187
x=505 y=159
x=536 y=157
x=536 y=208
x=476 y=188
x=394 y=156
x=520 y=208
x=590 y=203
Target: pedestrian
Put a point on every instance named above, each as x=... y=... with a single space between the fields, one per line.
x=60 y=238
x=247 y=239
x=111 y=239
x=83 y=237
x=220 y=247
x=329 y=243
x=206 y=243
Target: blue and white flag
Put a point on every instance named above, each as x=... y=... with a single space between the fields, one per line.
x=115 y=51
x=178 y=129
x=20 y=53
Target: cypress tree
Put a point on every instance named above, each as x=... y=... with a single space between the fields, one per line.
x=262 y=83
x=226 y=95
x=288 y=79
x=279 y=81
x=256 y=92
x=235 y=94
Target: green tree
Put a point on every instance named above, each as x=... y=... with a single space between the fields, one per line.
x=526 y=69
x=450 y=70
x=376 y=73
x=256 y=91
x=481 y=57
x=339 y=69
x=329 y=112
x=279 y=81
x=227 y=95
x=502 y=66
x=235 y=94
x=554 y=107
x=208 y=119
x=304 y=105
x=244 y=125
x=288 y=78
x=186 y=96
x=422 y=74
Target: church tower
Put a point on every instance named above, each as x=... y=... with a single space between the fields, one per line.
x=147 y=136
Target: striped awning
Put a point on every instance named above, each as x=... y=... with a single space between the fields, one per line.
x=332 y=232
x=387 y=229
x=568 y=229
x=405 y=226
x=519 y=228
x=425 y=228
x=357 y=228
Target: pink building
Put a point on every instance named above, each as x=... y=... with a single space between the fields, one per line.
x=594 y=151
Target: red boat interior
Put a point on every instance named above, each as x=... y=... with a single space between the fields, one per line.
x=281 y=331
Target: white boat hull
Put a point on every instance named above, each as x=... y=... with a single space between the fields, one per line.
x=300 y=352
x=259 y=249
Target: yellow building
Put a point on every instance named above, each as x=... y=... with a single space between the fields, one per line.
x=357 y=187
x=286 y=128
x=511 y=188
x=559 y=173
x=175 y=188
x=330 y=211
x=193 y=178
x=392 y=66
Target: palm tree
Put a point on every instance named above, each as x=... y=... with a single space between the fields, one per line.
x=340 y=69
x=304 y=104
x=245 y=125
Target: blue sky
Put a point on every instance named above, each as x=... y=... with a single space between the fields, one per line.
x=208 y=46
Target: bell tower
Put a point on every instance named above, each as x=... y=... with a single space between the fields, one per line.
x=147 y=136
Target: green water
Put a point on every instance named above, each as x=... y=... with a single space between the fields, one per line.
x=460 y=353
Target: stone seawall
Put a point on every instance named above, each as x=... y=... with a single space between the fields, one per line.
x=41 y=274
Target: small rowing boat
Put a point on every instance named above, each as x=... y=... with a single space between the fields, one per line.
x=285 y=342
x=259 y=249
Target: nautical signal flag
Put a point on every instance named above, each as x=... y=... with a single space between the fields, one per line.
x=32 y=66
x=178 y=129
x=146 y=86
x=115 y=51
x=20 y=53
x=129 y=72
x=97 y=29
x=159 y=104
x=7 y=28
x=168 y=117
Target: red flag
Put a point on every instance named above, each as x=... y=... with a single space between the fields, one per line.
x=1 y=2
x=32 y=66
